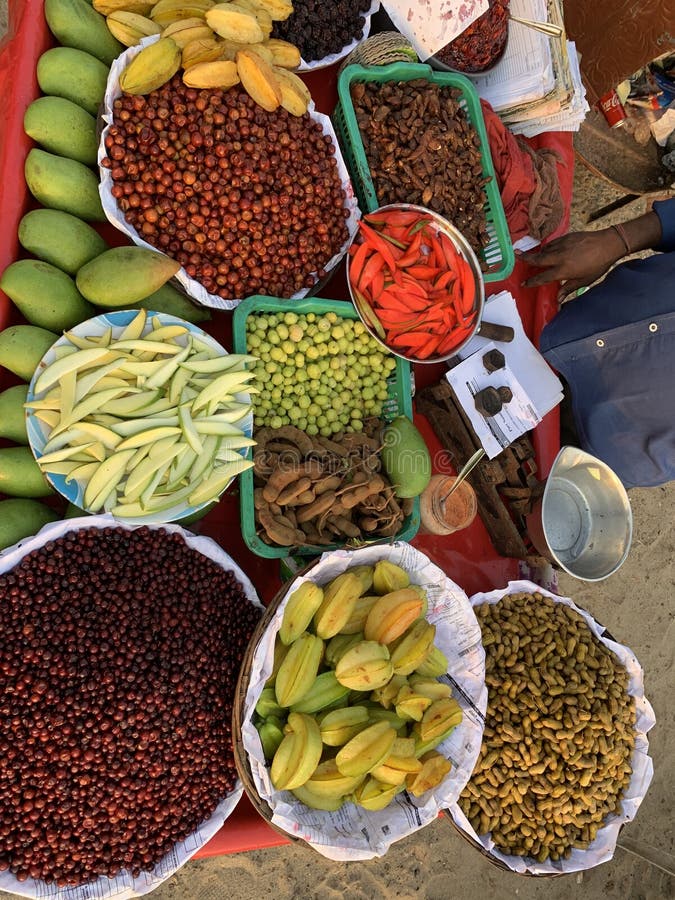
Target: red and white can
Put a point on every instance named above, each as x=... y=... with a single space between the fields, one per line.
x=612 y=109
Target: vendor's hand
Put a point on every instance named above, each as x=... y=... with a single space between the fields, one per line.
x=576 y=259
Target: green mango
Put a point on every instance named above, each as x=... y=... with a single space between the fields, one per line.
x=406 y=458
x=62 y=127
x=60 y=239
x=73 y=75
x=74 y=23
x=23 y=346
x=174 y=303
x=64 y=184
x=123 y=275
x=21 y=518
x=20 y=475
x=13 y=414
x=45 y=295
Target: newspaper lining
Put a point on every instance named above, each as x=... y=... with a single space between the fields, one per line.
x=116 y=217
x=353 y=833
x=602 y=848
x=124 y=886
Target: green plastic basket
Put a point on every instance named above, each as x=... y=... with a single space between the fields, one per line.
x=399 y=403
x=497 y=256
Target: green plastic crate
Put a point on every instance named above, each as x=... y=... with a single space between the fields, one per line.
x=399 y=403
x=498 y=255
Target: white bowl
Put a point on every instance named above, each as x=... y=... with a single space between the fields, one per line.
x=38 y=431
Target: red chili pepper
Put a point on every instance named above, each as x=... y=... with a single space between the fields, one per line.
x=393 y=217
x=444 y=280
x=429 y=349
x=374 y=240
x=455 y=338
x=468 y=286
x=449 y=317
x=411 y=285
x=419 y=304
x=374 y=265
x=377 y=285
x=423 y=273
x=436 y=255
x=412 y=339
x=357 y=262
x=457 y=305
x=450 y=254
x=412 y=253
x=397 y=232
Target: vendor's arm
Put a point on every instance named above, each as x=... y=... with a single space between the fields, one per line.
x=580 y=258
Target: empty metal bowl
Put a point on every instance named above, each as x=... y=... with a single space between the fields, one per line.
x=584 y=517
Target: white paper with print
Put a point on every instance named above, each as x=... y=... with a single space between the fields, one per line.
x=602 y=848
x=353 y=833
x=541 y=384
x=124 y=886
x=515 y=418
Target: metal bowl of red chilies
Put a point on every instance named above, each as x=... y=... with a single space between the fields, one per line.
x=415 y=282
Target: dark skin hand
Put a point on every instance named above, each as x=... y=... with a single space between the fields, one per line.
x=581 y=257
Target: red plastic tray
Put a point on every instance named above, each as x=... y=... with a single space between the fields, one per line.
x=468 y=557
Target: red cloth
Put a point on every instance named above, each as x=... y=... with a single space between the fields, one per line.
x=514 y=170
x=528 y=181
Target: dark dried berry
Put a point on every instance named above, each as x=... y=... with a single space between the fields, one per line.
x=119 y=658
x=320 y=29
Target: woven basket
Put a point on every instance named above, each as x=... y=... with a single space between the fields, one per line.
x=380 y=50
x=240 y=755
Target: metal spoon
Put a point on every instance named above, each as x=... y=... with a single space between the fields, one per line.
x=466 y=469
x=545 y=27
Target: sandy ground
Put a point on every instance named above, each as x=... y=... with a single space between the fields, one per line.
x=637 y=605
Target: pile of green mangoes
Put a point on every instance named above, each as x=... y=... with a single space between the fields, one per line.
x=74 y=272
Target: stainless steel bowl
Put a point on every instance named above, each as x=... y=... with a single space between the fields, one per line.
x=462 y=245
x=584 y=517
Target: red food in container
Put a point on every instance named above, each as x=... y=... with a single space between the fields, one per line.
x=482 y=44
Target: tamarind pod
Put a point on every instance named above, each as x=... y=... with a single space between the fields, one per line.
x=302 y=499
x=285 y=520
x=312 y=535
x=279 y=479
x=355 y=495
x=291 y=491
x=368 y=523
x=337 y=509
x=319 y=506
x=278 y=532
x=290 y=515
x=290 y=433
x=330 y=483
x=333 y=446
x=346 y=527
